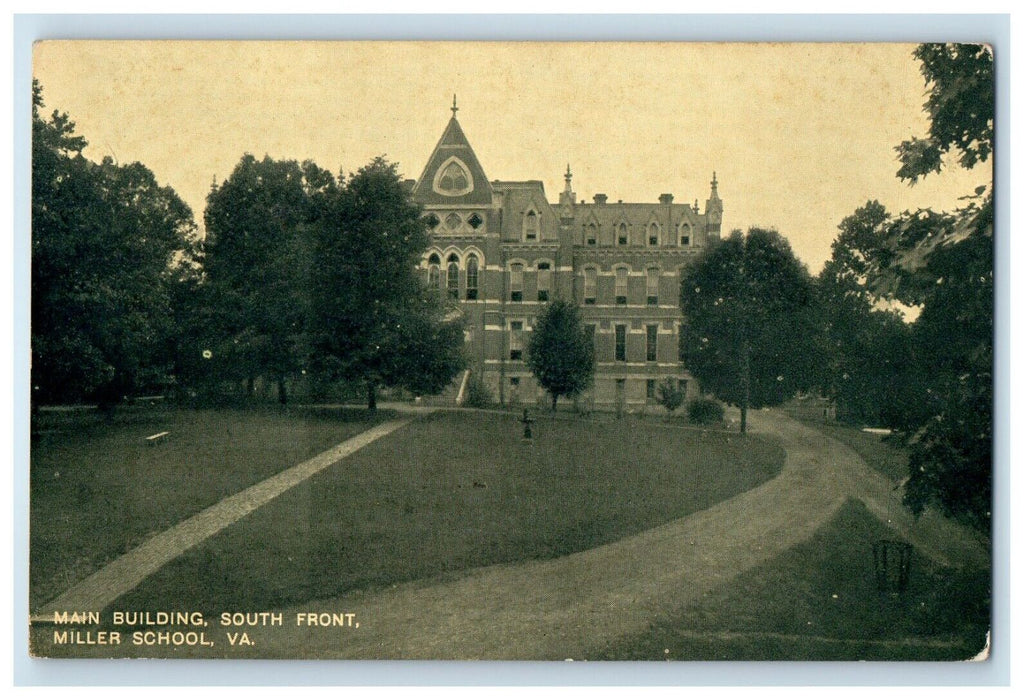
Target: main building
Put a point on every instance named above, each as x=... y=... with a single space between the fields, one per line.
x=503 y=251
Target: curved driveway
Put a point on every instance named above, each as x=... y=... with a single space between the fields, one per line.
x=566 y=607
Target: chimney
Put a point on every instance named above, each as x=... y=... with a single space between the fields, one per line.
x=665 y=199
x=600 y=198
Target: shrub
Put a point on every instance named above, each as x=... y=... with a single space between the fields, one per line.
x=705 y=411
x=477 y=395
x=670 y=395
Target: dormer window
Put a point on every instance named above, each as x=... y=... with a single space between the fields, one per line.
x=531 y=226
x=453 y=178
x=653 y=234
x=592 y=234
x=621 y=236
x=685 y=234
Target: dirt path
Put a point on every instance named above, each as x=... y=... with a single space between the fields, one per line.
x=566 y=607
x=570 y=606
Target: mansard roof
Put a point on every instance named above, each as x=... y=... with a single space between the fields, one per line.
x=453 y=145
x=636 y=214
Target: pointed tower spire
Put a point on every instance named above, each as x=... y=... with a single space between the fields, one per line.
x=568 y=196
x=454 y=106
x=713 y=211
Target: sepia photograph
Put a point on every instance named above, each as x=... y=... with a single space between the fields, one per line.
x=533 y=351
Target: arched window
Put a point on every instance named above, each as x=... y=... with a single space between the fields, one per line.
x=434 y=274
x=621 y=237
x=653 y=286
x=472 y=277
x=653 y=234
x=453 y=178
x=590 y=285
x=531 y=226
x=452 y=276
x=622 y=275
x=543 y=281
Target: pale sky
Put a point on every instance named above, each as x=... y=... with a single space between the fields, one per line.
x=800 y=134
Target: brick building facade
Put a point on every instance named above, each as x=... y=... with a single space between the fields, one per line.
x=502 y=250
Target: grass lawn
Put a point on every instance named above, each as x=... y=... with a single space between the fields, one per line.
x=97 y=489
x=454 y=491
x=881 y=455
x=818 y=601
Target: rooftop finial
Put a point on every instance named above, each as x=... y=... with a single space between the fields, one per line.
x=713 y=183
x=569 y=173
x=454 y=106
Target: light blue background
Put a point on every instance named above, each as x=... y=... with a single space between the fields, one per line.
x=994 y=29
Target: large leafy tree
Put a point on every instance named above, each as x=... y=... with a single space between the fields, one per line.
x=749 y=334
x=108 y=243
x=372 y=319
x=942 y=263
x=560 y=354
x=256 y=256
x=870 y=370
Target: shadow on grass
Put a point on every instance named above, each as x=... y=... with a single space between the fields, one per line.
x=819 y=601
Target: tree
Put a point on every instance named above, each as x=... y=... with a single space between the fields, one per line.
x=371 y=317
x=560 y=354
x=107 y=242
x=870 y=369
x=256 y=256
x=670 y=395
x=750 y=321
x=942 y=263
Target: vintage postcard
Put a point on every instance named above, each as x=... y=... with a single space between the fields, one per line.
x=528 y=351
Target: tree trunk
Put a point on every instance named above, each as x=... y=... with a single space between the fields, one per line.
x=745 y=386
x=281 y=384
x=370 y=389
x=554 y=403
x=250 y=387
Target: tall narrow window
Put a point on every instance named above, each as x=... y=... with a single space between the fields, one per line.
x=620 y=343
x=515 y=283
x=650 y=388
x=452 y=276
x=472 y=278
x=434 y=274
x=590 y=285
x=515 y=343
x=592 y=234
x=651 y=344
x=685 y=234
x=531 y=226
x=653 y=234
x=621 y=237
x=653 y=286
x=543 y=281
x=621 y=284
